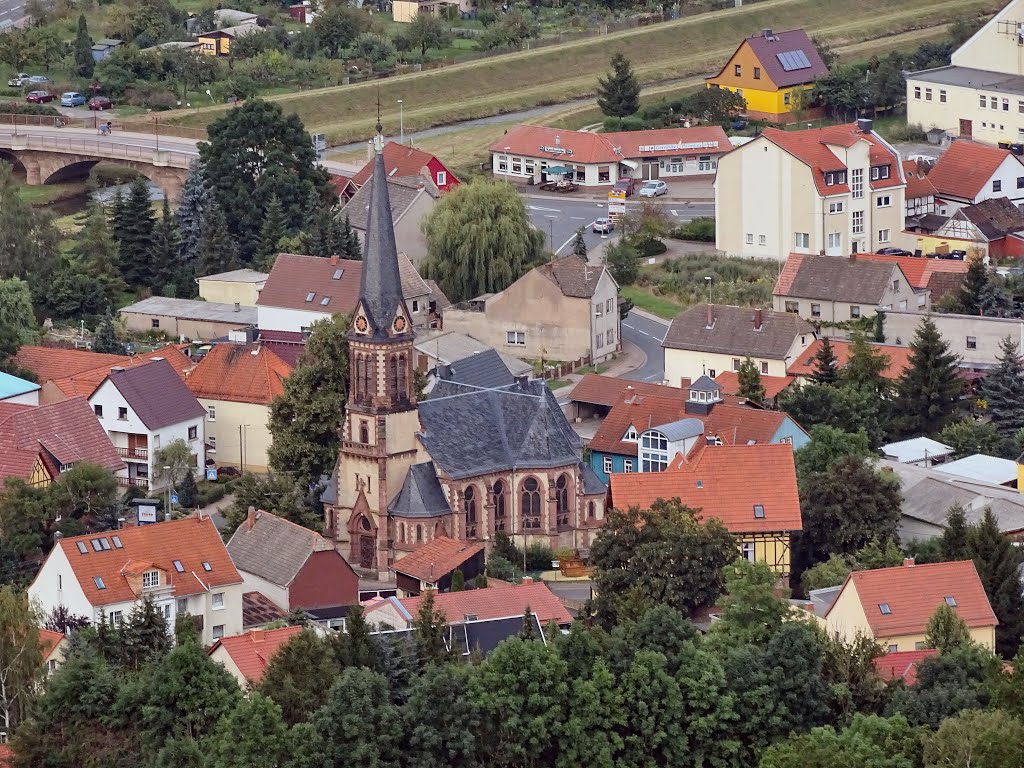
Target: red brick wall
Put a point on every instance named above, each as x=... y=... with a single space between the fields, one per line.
x=325 y=581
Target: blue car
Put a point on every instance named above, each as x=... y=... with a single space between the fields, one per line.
x=72 y=99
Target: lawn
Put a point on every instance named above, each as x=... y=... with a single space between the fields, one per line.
x=643 y=297
x=671 y=51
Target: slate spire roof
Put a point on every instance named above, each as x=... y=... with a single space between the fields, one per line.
x=380 y=290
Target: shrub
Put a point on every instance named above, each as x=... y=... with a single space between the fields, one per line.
x=631 y=123
x=701 y=229
x=651 y=247
x=500 y=568
x=906 y=133
x=538 y=557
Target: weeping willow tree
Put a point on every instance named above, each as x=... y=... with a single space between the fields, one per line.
x=479 y=240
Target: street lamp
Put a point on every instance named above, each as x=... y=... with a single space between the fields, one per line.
x=401 y=121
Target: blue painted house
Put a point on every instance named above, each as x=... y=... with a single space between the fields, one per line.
x=644 y=432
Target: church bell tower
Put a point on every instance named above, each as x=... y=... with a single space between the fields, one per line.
x=378 y=441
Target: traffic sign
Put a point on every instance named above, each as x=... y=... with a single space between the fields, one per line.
x=174 y=498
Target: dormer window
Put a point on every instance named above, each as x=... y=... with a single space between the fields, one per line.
x=631 y=435
x=879 y=172
x=151 y=579
x=835 y=177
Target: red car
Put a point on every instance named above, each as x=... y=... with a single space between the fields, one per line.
x=39 y=97
x=99 y=103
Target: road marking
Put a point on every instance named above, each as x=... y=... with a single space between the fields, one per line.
x=539 y=208
x=627 y=325
x=645 y=333
x=673 y=211
x=577 y=218
x=567 y=242
x=655 y=376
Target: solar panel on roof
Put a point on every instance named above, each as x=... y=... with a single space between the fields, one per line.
x=791 y=60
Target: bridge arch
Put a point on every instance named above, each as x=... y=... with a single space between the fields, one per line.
x=76 y=169
x=12 y=159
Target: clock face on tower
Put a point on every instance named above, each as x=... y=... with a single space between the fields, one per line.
x=399 y=324
x=361 y=324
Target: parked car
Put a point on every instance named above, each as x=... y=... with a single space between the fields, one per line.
x=72 y=99
x=99 y=103
x=893 y=252
x=627 y=185
x=39 y=97
x=36 y=80
x=18 y=80
x=653 y=189
x=604 y=226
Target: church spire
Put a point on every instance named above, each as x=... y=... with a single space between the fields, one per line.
x=380 y=291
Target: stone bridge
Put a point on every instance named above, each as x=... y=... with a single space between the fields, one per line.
x=50 y=155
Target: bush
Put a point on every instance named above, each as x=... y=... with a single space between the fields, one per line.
x=651 y=247
x=631 y=123
x=500 y=568
x=211 y=492
x=701 y=229
x=538 y=557
x=24 y=108
x=906 y=133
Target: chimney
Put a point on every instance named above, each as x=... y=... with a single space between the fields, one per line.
x=256 y=635
x=522 y=380
x=527 y=580
x=711 y=317
x=57 y=536
x=864 y=125
x=766 y=34
x=908 y=562
x=334 y=260
x=238 y=306
x=251 y=517
x=758 y=319
x=558 y=141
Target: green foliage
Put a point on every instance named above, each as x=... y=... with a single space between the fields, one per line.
x=946 y=685
x=479 y=240
x=217 y=250
x=847 y=408
x=623 y=261
x=865 y=367
x=511 y=31
x=833 y=572
x=195 y=199
x=751 y=611
x=500 y=568
x=337 y=27
x=357 y=697
x=991 y=739
x=188 y=492
x=869 y=741
x=272 y=233
x=928 y=390
x=458 y=581
x=946 y=631
x=21 y=662
x=956 y=537
x=28 y=239
x=83 y=50
x=429 y=31
x=134 y=227
x=750 y=386
x=178 y=457
x=579 y=245
x=849 y=671
x=998 y=563
x=85 y=492
x=305 y=420
x=299 y=675
x=106 y=340
x=1003 y=390
x=94 y=252
x=967 y=437
x=276 y=492
x=618 y=93
x=827 y=446
x=700 y=229
x=16 y=309
x=658 y=556
x=430 y=631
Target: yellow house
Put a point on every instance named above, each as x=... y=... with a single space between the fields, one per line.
x=405 y=11
x=751 y=489
x=218 y=42
x=239 y=286
x=773 y=72
x=893 y=605
x=236 y=384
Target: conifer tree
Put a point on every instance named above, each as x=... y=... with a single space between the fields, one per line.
x=750 y=386
x=106 y=340
x=188 y=492
x=322 y=239
x=353 y=248
x=136 y=234
x=929 y=389
x=826 y=365
x=973 y=286
x=865 y=367
x=117 y=203
x=458 y=581
x=170 y=271
x=955 y=543
x=618 y=94
x=96 y=251
x=429 y=633
x=84 y=63
x=998 y=561
x=1003 y=390
x=579 y=245
x=217 y=250
x=195 y=197
x=273 y=231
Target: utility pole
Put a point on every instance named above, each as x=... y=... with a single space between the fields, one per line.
x=401 y=121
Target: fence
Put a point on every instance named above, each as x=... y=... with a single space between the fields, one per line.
x=148 y=124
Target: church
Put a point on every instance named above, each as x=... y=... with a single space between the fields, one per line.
x=466 y=463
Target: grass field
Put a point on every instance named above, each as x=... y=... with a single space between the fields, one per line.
x=673 y=51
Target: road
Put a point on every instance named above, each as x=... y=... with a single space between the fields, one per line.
x=12 y=12
x=647 y=334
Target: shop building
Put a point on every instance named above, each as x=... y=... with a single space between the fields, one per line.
x=529 y=153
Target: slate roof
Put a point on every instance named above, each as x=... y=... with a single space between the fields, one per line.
x=765 y=50
x=920 y=271
x=380 y=286
x=437 y=558
x=273 y=548
x=573 y=276
x=496 y=603
x=485 y=636
x=831 y=278
x=596 y=389
x=964 y=170
x=240 y=373
x=451 y=346
x=481 y=431
x=484 y=370
x=592 y=484
x=403 y=191
x=156 y=394
x=421 y=494
x=682 y=429
x=190 y=540
x=899 y=358
x=65 y=432
x=995 y=218
x=252 y=651
x=913 y=592
x=733 y=332
x=724 y=482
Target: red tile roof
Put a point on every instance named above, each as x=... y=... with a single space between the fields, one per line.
x=437 y=558
x=240 y=373
x=734 y=424
x=729 y=381
x=810 y=147
x=686 y=139
x=496 y=603
x=596 y=389
x=252 y=651
x=918 y=183
x=65 y=432
x=914 y=592
x=918 y=269
x=399 y=160
x=724 y=482
x=191 y=541
x=587 y=147
x=899 y=358
x=49 y=640
x=965 y=169
x=902 y=665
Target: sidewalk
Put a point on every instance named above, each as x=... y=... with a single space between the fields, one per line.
x=629 y=358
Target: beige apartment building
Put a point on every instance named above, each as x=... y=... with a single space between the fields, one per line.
x=564 y=310
x=835 y=190
x=980 y=95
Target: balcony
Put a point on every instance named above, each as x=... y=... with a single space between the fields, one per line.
x=135 y=454
x=137 y=482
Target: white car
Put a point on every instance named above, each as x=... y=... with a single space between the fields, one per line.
x=653 y=189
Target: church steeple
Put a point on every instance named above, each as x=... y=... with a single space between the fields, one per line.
x=381 y=312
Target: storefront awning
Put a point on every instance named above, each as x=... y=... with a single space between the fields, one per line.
x=632 y=164
x=557 y=169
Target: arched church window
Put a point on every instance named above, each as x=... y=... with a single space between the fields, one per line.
x=498 y=493
x=531 y=504
x=562 y=499
x=393 y=376
x=469 y=507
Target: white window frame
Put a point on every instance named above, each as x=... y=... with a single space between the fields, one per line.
x=857 y=183
x=837 y=206
x=218 y=631
x=747 y=551
x=217 y=601
x=883 y=201
x=802 y=240
x=750 y=238
x=884 y=235
x=762 y=239
x=627 y=466
x=442 y=178
x=858 y=222
x=515 y=338
x=608 y=465
x=211 y=413
x=150 y=579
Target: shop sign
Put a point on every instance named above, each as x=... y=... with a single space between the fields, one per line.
x=617 y=194
x=678 y=146
x=562 y=150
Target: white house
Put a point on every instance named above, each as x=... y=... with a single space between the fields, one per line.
x=143 y=409
x=182 y=565
x=969 y=173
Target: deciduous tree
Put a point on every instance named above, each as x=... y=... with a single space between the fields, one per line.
x=992 y=739
x=968 y=437
x=751 y=611
x=357 y=697
x=946 y=631
x=21 y=661
x=299 y=675
x=28 y=239
x=16 y=309
x=827 y=446
x=252 y=734
x=623 y=261
x=429 y=31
